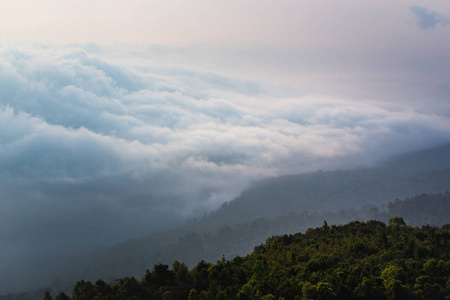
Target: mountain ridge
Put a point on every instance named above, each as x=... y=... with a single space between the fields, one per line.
x=290 y=203
x=234 y=229
x=342 y=189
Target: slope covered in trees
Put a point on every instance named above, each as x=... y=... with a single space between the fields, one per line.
x=403 y=176
x=132 y=257
x=291 y=204
x=277 y=206
x=353 y=261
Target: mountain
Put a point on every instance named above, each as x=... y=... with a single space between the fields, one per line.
x=427 y=171
x=291 y=204
x=134 y=256
x=283 y=205
x=358 y=260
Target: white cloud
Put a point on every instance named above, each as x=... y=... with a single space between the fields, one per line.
x=104 y=149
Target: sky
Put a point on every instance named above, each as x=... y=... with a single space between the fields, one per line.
x=121 y=118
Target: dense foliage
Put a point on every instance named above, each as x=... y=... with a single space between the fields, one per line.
x=359 y=260
x=282 y=205
x=193 y=245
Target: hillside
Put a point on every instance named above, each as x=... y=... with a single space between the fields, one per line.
x=353 y=261
x=403 y=176
x=132 y=256
x=290 y=204
x=283 y=205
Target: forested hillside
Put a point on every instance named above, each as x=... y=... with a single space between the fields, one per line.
x=283 y=205
x=131 y=257
x=354 y=261
x=292 y=204
x=404 y=176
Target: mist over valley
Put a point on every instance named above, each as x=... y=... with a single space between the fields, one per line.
x=144 y=133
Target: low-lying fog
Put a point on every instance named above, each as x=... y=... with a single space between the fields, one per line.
x=98 y=144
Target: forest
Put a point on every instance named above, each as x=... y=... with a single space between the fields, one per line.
x=192 y=245
x=358 y=260
x=413 y=187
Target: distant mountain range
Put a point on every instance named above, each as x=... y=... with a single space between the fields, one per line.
x=403 y=176
x=290 y=204
x=283 y=205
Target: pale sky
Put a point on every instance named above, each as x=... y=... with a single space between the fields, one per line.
x=290 y=40
x=279 y=24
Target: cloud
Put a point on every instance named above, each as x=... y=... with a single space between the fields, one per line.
x=94 y=151
x=428 y=19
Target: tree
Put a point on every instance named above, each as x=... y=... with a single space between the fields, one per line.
x=62 y=296
x=396 y=222
x=83 y=290
x=47 y=295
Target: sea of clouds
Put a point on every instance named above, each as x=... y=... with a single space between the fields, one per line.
x=94 y=150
